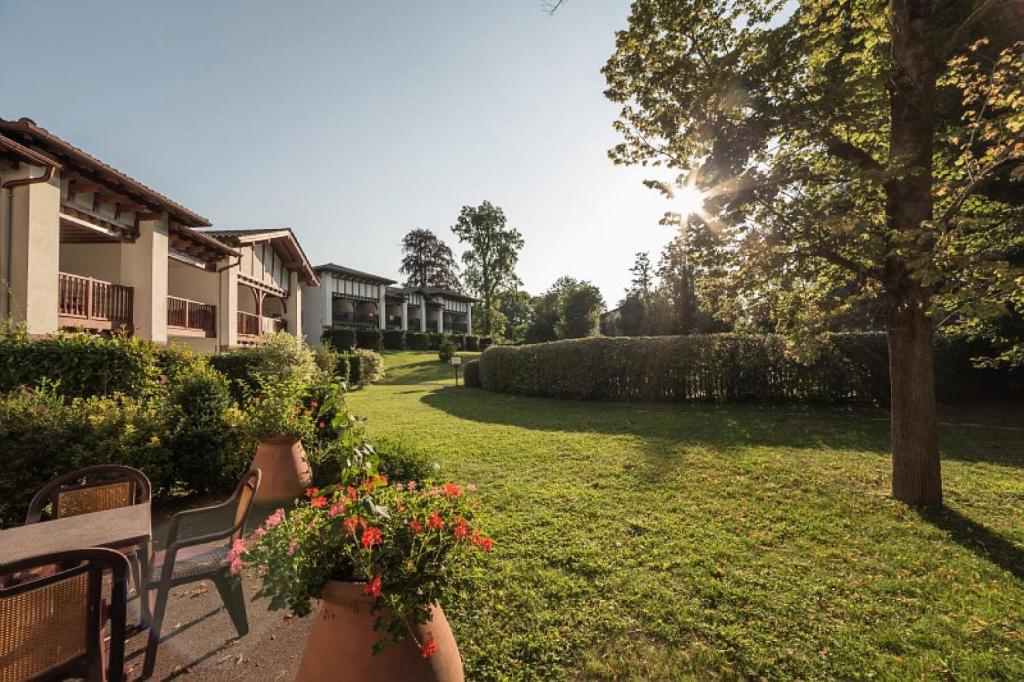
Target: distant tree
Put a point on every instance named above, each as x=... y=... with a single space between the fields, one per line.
x=546 y=313
x=677 y=280
x=633 y=312
x=848 y=152
x=581 y=308
x=517 y=309
x=491 y=257
x=428 y=261
x=642 y=283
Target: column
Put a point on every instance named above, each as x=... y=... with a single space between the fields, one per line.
x=34 y=252
x=144 y=268
x=382 y=310
x=469 y=318
x=227 y=310
x=440 y=320
x=405 y=315
x=293 y=306
x=423 y=315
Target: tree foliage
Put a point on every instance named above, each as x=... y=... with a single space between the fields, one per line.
x=428 y=262
x=853 y=156
x=570 y=309
x=491 y=257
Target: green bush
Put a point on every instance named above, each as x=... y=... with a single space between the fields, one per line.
x=394 y=339
x=486 y=342
x=399 y=461
x=471 y=373
x=340 y=338
x=84 y=365
x=471 y=342
x=459 y=340
x=370 y=339
x=366 y=367
x=446 y=351
x=434 y=340
x=417 y=340
x=277 y=357
x=847 y=368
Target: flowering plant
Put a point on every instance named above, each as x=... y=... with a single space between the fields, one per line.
x=405 y=541
x=278 y=410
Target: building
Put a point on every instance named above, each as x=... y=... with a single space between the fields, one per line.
x=85 y=246
x=351 y=298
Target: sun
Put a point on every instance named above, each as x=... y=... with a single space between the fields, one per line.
x=689 y=199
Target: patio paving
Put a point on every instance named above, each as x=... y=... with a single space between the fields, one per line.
x=200 y=642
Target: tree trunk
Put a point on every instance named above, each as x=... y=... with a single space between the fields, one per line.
x=916 y=477
x=916 y=474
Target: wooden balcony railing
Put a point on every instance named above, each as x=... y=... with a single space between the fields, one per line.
x=92 y=303
x=248 y=324
x=191 y=317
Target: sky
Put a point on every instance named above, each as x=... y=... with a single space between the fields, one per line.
x=350 y=122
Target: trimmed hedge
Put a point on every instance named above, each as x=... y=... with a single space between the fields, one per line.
x=417 y=340
x=435 y=340
x=471 y=373
x=486 y=342
x=370 y=339
x=84 y=365
x=849 y=368
x=394 y=339
x=342 y=339
x=471 y=342
x=365 y=367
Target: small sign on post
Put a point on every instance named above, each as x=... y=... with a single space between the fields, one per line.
x=456 y=363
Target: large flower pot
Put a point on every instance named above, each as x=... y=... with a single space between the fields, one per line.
x=340 y=644
x=286 y=472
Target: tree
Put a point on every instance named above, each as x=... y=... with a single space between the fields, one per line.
x=642 y=283
x=847 y=153
x=428 y=261
x=677 y=279
x=517 y=309
x=491 y=258
x=633 y=314
x=581 y=307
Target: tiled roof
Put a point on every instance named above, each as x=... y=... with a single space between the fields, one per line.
x=28 y=133
x=440 y=291
x=357 y=274
x=238 y=237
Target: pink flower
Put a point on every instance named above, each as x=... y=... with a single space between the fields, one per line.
x=471 y=488
x=399 y=486
x=235 y=556
x=337 y=509
x=411 y=485
x=434 y=492
x=275 y=518
x=259 y=533
x=292 y=547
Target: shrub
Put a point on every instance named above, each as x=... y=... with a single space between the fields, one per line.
x=459 y=340
x=486 y=342
x=277 y=410
x=417 y=340
x=366 y=367
x=85 y=365
x=471 y=373
x=446 y=351
x=471 y=342
x=278 y=357
x=434 y=340
x=340 y=338
x=370 y=339
x=722 y=367
x=399 y=461
x=394 y=339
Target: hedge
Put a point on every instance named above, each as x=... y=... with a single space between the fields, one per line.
x=471 y=342
x=435 y=340
x=417 y=340
x=848 y=368
x=342 y=339
x=365 y=367
x=471 y=373
x=394 y=339
x=486 y=342
x=84 y=365
x=370 y=339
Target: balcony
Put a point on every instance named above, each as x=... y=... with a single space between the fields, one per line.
x=91 y=303
x=191 y=318
x=354 y=320
x=251 y=327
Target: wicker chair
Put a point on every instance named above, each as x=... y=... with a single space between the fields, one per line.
x=52 y=616
x=202 y=555
x=93 y=489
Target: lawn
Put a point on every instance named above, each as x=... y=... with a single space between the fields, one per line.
x=671 y=542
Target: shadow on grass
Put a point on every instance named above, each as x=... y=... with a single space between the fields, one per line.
x=796 y=426
x=426 y=371
x=983 y=542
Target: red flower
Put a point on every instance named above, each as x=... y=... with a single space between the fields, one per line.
x=383 y=479
x=351 y=523
x=461 y=528
x=322 y=425
x=312 y=492
x=298 y=410
x=353 y=494
x=373 y=587
x=371 y=537
x=416 y=526
x=452 y=490
x=486 y=544
x=338 y=508
x=314 y=403
x=435 y=522
x=429 y=646
x=318 y=502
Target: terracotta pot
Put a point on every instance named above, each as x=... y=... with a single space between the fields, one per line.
x=340 y=644
x=286 y=472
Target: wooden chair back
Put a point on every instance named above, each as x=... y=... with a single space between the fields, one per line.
x=91 y=489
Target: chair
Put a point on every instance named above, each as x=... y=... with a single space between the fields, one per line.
x=52 y=616
x=105 y=486
x=188 y=559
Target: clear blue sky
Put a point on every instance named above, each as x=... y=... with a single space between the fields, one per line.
x=351 y=122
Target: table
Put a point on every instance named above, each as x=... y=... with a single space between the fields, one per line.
x=119 y=528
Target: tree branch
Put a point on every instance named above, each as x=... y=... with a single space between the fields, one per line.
x=956 y=39
x=970 y=188
x=847 y=151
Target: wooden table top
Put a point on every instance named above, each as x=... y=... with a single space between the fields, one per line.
x=112 y=528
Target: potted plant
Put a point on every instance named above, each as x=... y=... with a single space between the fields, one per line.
x=278 y=420
x=380 y=555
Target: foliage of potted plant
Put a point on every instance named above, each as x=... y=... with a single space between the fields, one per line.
x=380 y=555
x=278 y=419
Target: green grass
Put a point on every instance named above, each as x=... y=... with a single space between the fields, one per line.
x=669 y=542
